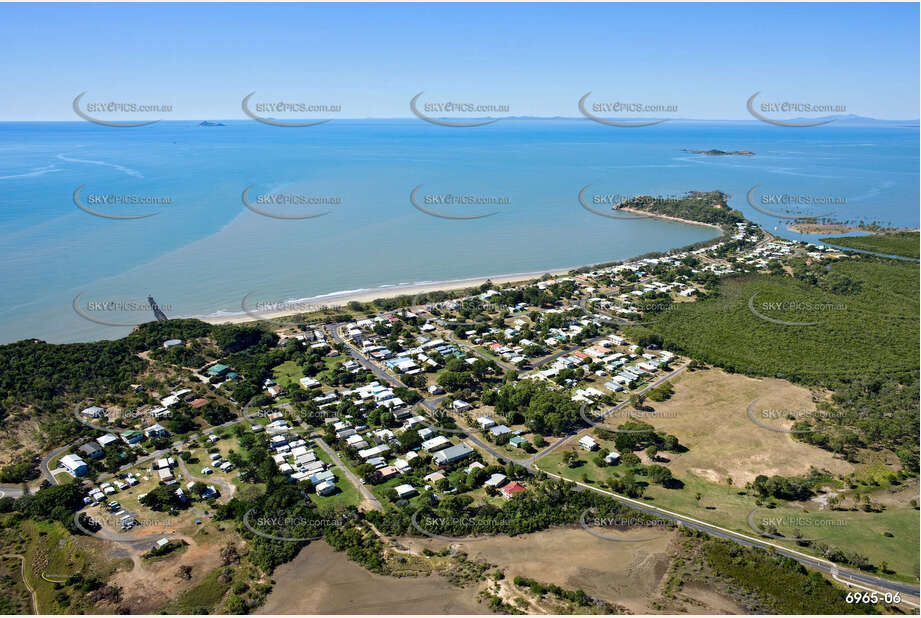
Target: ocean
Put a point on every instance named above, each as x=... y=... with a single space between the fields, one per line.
x=205 y=250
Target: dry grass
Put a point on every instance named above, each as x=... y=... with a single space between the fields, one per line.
x=708 y=414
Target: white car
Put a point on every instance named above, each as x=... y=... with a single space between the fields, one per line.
x=207 y=471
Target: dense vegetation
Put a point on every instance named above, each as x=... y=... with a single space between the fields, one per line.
x=774 y=584
x=895 y=243
x=695 y=206
x=866 y=311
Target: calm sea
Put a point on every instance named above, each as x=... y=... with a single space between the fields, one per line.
x=204 y=250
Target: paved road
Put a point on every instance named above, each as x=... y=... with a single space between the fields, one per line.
x=11 y=491
x=358 y=356
x=530 y=461
x=473 y=350
x=47 y=459
x=364 y=491
x=843 y=575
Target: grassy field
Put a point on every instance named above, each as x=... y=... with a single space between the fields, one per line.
x=348 y=494
x=730 y=506
x=863 y=333
x=287 y=374
x=201 y=598
x=51 y=551
x=897 y=243
x=708 y=412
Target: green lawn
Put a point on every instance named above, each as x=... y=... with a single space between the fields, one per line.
x=287 y=374
x=348 y=494
x=897 y=243
x=729 y=507
x=201 y=598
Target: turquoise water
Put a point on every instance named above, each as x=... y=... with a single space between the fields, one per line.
x=205 y=250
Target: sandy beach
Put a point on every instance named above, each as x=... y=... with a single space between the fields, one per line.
x=257 y=310
x=330 y=301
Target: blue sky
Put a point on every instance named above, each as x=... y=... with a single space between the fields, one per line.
x=538 y=59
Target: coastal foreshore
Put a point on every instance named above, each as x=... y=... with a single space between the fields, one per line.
x=337 y=300
x=333 y=301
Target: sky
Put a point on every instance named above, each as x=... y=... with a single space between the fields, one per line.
x=538 y=59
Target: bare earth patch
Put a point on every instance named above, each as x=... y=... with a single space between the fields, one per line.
x=627 y=574
x=322 y=581
x=709 y=414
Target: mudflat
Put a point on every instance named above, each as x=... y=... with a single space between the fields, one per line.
x=323 y=581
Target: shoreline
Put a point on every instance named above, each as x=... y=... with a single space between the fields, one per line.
x=337 y=300
x=645 y=213
x=325 y=302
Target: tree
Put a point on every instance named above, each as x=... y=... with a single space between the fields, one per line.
x=652 y=451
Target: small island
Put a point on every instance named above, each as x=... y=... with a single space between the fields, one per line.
x=720 y=153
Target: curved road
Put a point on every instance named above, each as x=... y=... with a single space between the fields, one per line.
x=845 y=576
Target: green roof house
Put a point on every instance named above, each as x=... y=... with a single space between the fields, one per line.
x=218 y=370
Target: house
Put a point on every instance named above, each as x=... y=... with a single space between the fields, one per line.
x=198 y=403
x=485 y=422
x=325 y=488
x=496 y=480
x=402 y=465
x=434 y=389
x=452 y=454
x=172 y=343
x=91 y=450
x=434 y=477
x=612 y=458
x=106 y=440
x=499 y=430
x=387 y=472
x=461 y=405
x=309 y=383
x=323 y=476
x=74 y=465
x=373 y=452
x=588 y=443
x=275 y=390
x=92 y=412
x=166 y=475
x=518 y=442
x=132 y=437
x=405 y=491
x=155 y=430
x=218 y=369
x=435 y=444
x=512 y=489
